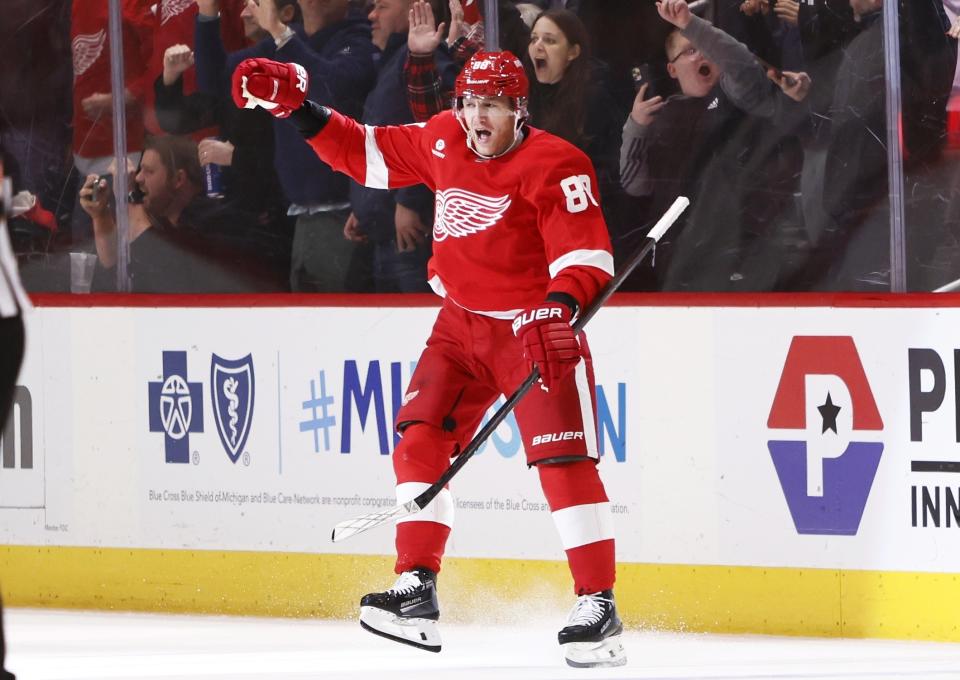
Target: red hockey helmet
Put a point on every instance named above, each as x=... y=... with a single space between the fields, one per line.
x=493 y=74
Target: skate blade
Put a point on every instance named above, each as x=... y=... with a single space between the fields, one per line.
x=604 y=654
x=419 y=633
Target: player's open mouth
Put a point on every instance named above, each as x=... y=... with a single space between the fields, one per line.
x=483 y=135
x=539 y=64
x=705 y=70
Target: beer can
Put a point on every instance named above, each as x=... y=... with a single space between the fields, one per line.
x=213 y=180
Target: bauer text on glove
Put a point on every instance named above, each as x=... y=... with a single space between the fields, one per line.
x=548 y=340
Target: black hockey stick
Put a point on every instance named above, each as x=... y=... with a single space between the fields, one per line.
x=354 y=526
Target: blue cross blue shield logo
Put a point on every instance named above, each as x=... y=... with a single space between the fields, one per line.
x=172 y=403
x=232 y=385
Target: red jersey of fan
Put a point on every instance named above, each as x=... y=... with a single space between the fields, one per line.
x=471 y=11
x=90 y=43
x=174 y=24
x=508 y=230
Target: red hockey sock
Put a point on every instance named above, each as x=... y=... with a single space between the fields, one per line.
x=420 y=544
x=581 y=513
x=422 y=455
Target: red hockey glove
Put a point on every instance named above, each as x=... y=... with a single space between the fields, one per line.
x=548 y=340
x=276 y=86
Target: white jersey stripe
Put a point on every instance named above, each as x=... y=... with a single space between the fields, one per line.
x=600 y=259
x=439 y=510
x=377 y=176
x=584 y=524
x=586 y=410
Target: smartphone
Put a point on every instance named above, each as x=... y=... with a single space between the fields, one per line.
x=777 y=72
x=655 y=78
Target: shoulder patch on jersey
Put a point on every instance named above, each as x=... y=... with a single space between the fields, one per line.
x=462 y=213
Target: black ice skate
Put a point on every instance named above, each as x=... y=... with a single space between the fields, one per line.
x=591 y=637
x=407 y=613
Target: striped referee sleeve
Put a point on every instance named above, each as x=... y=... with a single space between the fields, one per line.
x=13 y=299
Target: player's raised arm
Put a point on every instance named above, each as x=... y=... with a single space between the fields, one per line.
x=378 y=157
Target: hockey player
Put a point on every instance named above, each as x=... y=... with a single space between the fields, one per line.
x=519 y=247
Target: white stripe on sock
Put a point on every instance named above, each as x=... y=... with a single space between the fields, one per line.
x=439 y=510
x=584 y=524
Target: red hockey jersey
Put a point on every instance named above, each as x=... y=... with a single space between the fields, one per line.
x=507 y=230
x=90 y=43
x=174 y=24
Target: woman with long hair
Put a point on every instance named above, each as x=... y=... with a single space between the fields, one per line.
x=559 y=60
x=570 y=96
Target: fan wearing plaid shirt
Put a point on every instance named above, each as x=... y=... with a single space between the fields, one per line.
x=426 y=93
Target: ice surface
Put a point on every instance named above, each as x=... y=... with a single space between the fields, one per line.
x=60 y=645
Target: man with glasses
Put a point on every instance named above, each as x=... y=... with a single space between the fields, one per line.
x=704 y=139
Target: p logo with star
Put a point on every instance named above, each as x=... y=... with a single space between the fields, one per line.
x=825 y=435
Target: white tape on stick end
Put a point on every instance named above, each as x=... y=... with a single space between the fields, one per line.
x=669 y=217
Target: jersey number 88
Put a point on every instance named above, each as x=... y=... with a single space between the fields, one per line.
x=577 y=190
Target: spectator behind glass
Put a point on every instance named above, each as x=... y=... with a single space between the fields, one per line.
x=92 y=93
x=334 y=46
x=769 y=29
x=174 y=22
x=35 y=129
x=425 y=89
x=719 y=142
x=32 y=229
x=528 y=12
x=180 y=240
x=623 y=35
x=570 y=97
x=244 y=151
x=853 y=251
x=826 y=27
x=467 y=34
x=397 y=223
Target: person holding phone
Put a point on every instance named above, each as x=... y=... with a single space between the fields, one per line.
x=727 y=107
x=181 y=241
